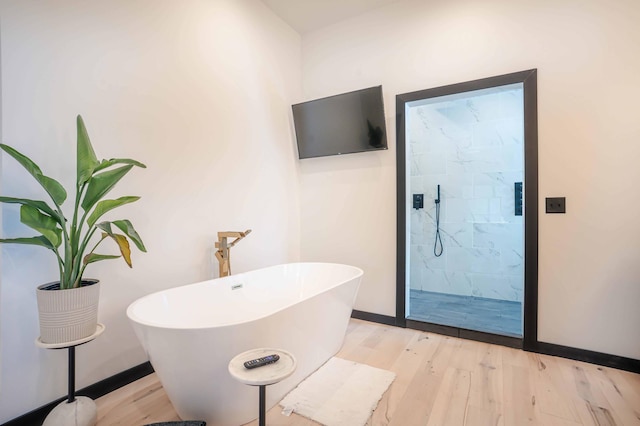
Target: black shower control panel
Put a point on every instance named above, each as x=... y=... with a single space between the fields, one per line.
x=555 y=205
x=418 y=201
x=259 y=362
x=517 y=195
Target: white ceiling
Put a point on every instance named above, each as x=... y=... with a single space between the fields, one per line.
x=309 y=15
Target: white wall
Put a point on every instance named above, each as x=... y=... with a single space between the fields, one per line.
x=200 y=91
x=586 y=53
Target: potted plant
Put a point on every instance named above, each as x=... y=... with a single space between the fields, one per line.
x=68 y=307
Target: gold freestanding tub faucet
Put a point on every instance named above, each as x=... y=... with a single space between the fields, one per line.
x=223 y=254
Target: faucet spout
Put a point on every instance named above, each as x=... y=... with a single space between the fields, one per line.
x=223 y=254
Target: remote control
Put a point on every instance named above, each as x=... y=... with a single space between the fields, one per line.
x=259 y=362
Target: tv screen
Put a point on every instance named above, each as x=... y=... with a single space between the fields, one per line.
x=341 y=124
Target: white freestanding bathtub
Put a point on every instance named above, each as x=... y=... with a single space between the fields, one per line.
x=190 y=333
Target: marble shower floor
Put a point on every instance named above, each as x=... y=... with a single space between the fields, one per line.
x=473 y=313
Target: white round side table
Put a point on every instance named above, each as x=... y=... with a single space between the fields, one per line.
x=81 y=411
x=262 y=376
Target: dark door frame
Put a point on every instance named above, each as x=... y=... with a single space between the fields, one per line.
x=530 y=327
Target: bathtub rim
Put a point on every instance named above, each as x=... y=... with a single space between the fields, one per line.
x=135 y=319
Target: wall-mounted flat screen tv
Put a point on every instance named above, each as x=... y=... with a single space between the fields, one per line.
x=341 y=124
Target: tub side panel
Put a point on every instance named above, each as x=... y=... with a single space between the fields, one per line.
x=192 y=367
x=313 y=331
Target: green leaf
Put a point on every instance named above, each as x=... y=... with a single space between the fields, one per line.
x=35 y=241
x=92 y=257
x=40 y=205
x=126 y=227
x=113 y=161
x=105 y=226
x=46 y=225
x=86 y=157
x=53 y=187
x=102 y=183
x=106 y=205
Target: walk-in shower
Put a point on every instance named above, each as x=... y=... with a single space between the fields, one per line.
x=464 y=248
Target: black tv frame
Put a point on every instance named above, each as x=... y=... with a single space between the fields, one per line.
x=376 y=132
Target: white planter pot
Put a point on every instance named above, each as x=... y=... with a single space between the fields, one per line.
x=67 y=315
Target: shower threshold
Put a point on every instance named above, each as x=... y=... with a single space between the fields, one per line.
x=495 y=316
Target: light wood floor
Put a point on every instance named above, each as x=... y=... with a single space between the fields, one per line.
x=442 y=381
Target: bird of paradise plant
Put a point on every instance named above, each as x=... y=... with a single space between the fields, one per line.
x=69 y=240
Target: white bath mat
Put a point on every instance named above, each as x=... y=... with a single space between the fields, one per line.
x=340 y=393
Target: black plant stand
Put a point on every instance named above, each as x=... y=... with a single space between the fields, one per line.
x=79 y=411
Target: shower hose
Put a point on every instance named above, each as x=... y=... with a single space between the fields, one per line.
x=437 y=245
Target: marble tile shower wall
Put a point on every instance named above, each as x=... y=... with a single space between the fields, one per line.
x=472 y=148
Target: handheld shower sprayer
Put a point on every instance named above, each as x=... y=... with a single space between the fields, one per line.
x=437 y=245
